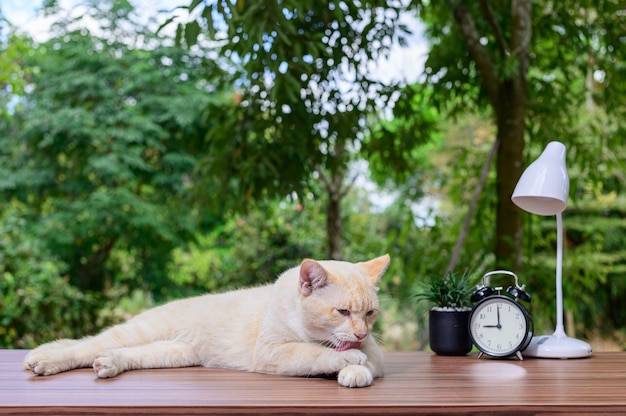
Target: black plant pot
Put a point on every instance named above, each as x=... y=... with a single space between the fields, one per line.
x=449 y=332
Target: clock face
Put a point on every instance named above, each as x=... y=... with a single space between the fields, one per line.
x=499 y=326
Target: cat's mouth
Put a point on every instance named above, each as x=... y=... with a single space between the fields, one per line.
x=346 y=345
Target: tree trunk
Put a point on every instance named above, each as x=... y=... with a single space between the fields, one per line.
x=337 y=187
x=92 y=275
x=334 y=224
x=511 y=114
x=509 y=218
x=456 y=252
x=508 y=99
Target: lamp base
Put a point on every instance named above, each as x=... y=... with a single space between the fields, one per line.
x=557 y=346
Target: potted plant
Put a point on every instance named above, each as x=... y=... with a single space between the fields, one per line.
x=448 y=320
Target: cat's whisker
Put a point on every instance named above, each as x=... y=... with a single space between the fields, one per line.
x=327 y=343
x=378 y=337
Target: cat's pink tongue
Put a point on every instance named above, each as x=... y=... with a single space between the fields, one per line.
x=348 y=345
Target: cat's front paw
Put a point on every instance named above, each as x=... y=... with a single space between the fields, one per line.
x=355 y=376
x=354 y=357
x=107 y=365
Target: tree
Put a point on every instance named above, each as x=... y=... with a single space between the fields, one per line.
x=102 y=150
x=13 y=75
x=305 y=95
x=530 y=66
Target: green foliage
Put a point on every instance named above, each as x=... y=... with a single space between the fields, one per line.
x=449 y=66
x=575 y=73
x=255 y=247
x=13 y=74
x=303 y=94
x=251 y=155
x=398 y=149
x=537 y=71
x=37 y=301
x=448 y=290
x=102 y=152
x=250 y=249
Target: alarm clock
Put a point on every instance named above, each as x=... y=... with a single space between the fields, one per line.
x=499 y=325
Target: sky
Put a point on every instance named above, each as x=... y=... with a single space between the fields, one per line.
x=24 y=13
x=405 y=63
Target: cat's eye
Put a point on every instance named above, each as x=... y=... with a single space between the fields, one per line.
x=344 y=312
x=370 y=313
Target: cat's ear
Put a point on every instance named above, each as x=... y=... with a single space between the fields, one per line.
x=376 y=267
x=312 y=276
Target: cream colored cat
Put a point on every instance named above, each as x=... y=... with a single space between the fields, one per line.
x=316 y=319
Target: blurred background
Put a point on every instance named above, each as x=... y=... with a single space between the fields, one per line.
x=158 y=149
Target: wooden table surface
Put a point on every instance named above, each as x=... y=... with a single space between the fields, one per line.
x=416 y=382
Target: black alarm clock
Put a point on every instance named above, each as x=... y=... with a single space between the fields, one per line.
x=499 y=325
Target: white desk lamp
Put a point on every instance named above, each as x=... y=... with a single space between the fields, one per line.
x=543 y=190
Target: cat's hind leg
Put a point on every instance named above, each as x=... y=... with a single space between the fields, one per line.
x=65 y=355
x=68 y=354
x=57 y=356
x=54 y=345
x=158 y=354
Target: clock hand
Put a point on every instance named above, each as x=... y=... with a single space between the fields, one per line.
x=498 y=314
x=498 y=325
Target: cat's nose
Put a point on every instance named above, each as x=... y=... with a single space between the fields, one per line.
x=360 y=336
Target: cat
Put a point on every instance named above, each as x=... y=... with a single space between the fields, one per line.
x=315 y=319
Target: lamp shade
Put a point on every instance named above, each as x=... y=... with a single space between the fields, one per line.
x=544 y=186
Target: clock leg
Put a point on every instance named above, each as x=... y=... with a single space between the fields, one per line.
x=519 y=355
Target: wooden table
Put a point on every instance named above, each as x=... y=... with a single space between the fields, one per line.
x=416 y=383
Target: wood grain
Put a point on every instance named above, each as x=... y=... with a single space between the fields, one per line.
x=416 y=383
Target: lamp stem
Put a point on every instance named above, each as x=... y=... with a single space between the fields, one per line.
x=560 y=329
x=558 y=345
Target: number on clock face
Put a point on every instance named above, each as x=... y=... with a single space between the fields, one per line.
x=498 y=326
